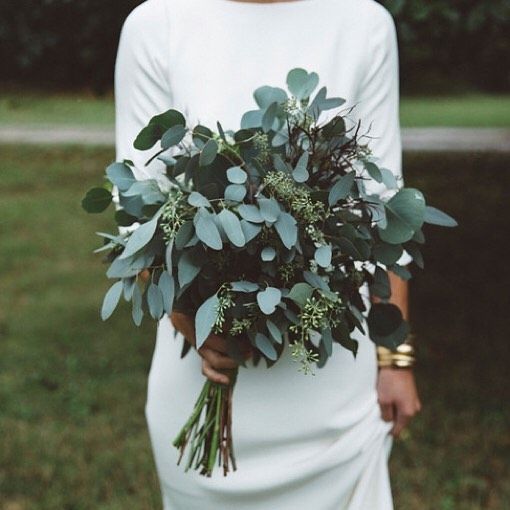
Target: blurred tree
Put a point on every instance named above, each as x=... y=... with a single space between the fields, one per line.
x=72 y=43
x=68 y=43
x=446 y=42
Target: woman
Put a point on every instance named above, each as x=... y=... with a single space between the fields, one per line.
x=301 y=442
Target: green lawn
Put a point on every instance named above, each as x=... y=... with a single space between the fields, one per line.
x=72 y=389
x=38 y=108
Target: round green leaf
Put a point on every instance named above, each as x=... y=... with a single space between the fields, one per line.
x=268 y=253
x=96 y=200
x=235 y=192
x=250 y=213
x=173 y=136
x=405 y=213
x=268 y=299
x=323 y=255
x=236 y=175
x=196 y=199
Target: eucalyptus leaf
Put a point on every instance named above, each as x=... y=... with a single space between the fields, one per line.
x=232 y=227
x=140 y=237
x=266 y=95
x=236 y=175
x=405 y=213
x=286 y=226
x=383 y=319
x=96 y=200
x=269 y=117
x=252 y=119
x=265 y=346
x=120 y=175
x=158 y=124
x=173 y=136
x=250 y=230
x=250 y=213
x=381 y=284
x=269 y=209
x=341 y=188
x=205 y=319
x=268 y=253
x=323 y=255
x=300 y=293
x=207 y=231
x=136 y=301
x=274 y=331
x=436 y=217
x=244 y=286
x=300 y=172
x=268 y=299
x=208 y=153
x=155 y=301
x=196 y=199
x=327 y=341
x=374 y=171
x=111 y=300
x=188 y=268
x=235 y=192
x=184 y=234
x=166 y=285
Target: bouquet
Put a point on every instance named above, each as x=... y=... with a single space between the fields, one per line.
x=265 y=235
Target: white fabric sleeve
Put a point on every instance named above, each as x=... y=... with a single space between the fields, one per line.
x=378 y=103
x=141 y=82
x=141 y=86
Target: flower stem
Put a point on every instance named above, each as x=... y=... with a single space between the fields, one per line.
x=207 y=434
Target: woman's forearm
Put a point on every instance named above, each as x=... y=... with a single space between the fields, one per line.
x=399 y=294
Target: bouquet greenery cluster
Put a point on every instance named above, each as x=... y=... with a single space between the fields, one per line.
x=266 y=235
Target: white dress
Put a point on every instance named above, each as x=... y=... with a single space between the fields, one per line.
x=302 y=442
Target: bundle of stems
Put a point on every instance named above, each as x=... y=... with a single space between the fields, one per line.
x=208 y=432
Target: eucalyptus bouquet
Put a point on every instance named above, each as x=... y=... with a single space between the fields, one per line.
x=264 y=235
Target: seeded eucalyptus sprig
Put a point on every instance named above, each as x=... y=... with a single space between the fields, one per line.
x=264 y=235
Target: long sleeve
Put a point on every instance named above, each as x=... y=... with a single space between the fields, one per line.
x=141 y=82
x=378 y=99
x=378 y=103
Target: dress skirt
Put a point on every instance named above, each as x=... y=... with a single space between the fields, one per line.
x=301 y=442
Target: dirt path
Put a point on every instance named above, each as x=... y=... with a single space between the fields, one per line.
x=414 y=139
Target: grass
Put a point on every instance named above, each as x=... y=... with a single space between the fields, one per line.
x=72 y=389
x=36 y=108
x=462 y=111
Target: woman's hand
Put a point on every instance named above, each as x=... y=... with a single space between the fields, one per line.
x=213 y=351
x=398 y=397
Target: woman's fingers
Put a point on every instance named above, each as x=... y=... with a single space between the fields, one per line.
x=216 y=359
x=213 y=375
x=404 y=410
x=217 y=343
x=387 y=411
x=220 y=344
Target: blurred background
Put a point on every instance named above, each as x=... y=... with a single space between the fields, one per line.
x=72 y=389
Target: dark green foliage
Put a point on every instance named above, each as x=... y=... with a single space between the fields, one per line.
x=461 y=41
x=73 y=44
x=61 y=42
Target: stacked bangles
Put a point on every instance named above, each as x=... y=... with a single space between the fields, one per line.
x=402 y=357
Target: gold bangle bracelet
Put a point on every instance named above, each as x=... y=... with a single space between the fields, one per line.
x=402 y=357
